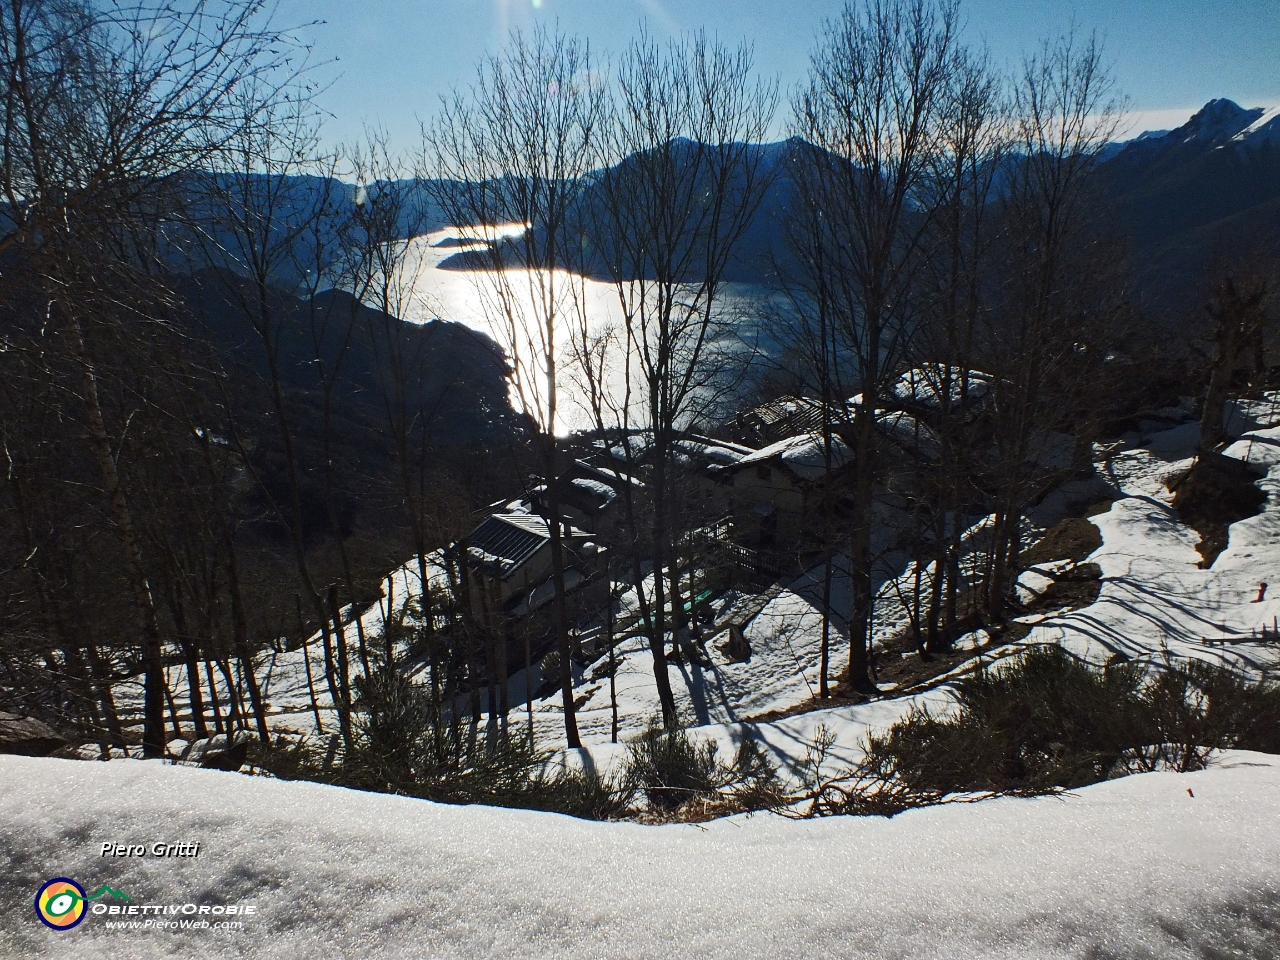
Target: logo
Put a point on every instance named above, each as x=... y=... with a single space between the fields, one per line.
x=60 y=903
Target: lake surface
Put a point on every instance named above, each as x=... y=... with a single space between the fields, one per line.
x=508 y=310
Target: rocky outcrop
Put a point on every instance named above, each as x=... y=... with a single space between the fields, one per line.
x=27 y=736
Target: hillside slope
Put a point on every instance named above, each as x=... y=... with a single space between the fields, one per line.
x=1211 y=186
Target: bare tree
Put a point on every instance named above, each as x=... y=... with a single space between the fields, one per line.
x=1065 y=112
x=267 y=215
x=872 y=107
x=381 y=271
x=102 y=106
x=974 y=133
x=665 y=221
x=513 y=150
x=1238 y=303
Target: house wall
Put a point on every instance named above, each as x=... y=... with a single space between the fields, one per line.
x=706 y=495
x=533 y=572
x=779 y=491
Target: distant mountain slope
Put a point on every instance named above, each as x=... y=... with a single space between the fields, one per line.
x=1178 y=196
x=455 y=385
x=456 y=371
x=757 y=256
x=1175 y=195
x=313 y=213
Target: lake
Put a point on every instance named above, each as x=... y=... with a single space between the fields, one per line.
x=506 y=309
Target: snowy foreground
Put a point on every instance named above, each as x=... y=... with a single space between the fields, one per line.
x=1132 y=868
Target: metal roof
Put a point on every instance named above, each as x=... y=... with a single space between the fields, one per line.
x=784 y=417
x=508 y=540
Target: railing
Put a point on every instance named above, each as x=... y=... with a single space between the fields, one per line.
x=763 y=566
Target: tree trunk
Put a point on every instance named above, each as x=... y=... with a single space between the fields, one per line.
x=657 y=632
x=306 y=662
x=859 y=676
x=344 y=666
x=561 y=604
x=153 y=735
x=1212 y=425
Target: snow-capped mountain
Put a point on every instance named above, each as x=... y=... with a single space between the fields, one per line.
x=1265 y=128
x=1182 y=196
x=1216 y=124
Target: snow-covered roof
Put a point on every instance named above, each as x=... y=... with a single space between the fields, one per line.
x=517 y=505
x=506 y=541
x=595 y=489
x=717 y=452
x=636 y=444
x=784 y=409
x=923 y=385
x=805 y=455
x=607 y=473
x=739 y=448
x=906 y=431
x=780 y=417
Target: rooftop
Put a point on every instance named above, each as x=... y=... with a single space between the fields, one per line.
x=805 y=455
x=506 y=541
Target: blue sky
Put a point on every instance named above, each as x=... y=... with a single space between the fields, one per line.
x=395 y=57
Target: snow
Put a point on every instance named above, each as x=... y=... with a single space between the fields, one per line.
x=923 y=385
x=910 y=433
x=717 y=452
x=1266 y=127
x=1154 y=602
x=782 y=672
x=596 y=488
x=283 y=672
x=1262 y=412
x=972 y=641
x=1216 y=120
x=627 y=449
x=804 y=455
x=1032 y=584
x=1158 y=865
x=1261 y=447
x=491 y=560
x=545 y=592
x=1174 y=441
